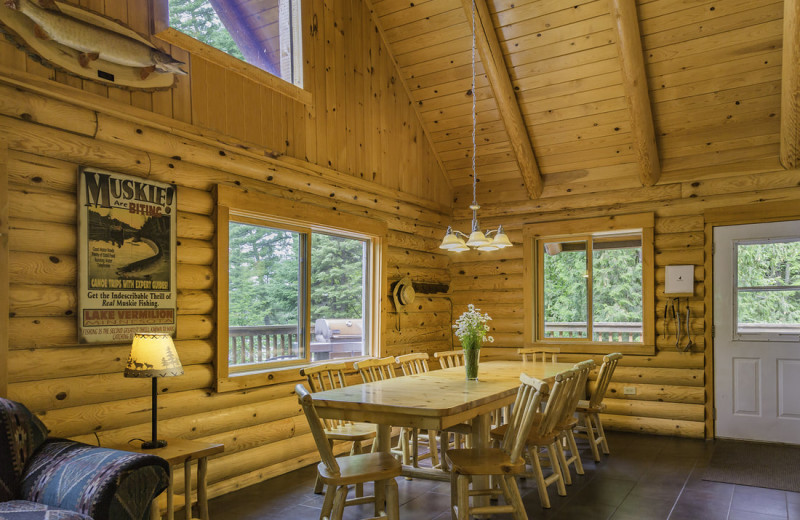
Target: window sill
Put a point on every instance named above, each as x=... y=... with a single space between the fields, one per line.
x=597 y=348
x=198 y=48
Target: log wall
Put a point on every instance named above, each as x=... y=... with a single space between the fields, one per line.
x=51 y=123
x=360 y=109
x=673 y=389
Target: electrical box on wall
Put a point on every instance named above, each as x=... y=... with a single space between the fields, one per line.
x=679 y=280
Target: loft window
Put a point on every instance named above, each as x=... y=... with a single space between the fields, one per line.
x=265 y=34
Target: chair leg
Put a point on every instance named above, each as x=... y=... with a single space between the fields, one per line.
x=516 y=498
x=552 y=452
x=318 y=482
x=601 y=434
x=415 y=447
x=356 y=450
x=562 y=462
x=444 y=442
x=590 y=434
x=453 y=495
x=392 y=499
x=338 y=503
x=463 y=497
x=327 y=504
x=573 y=450
x=537 y=472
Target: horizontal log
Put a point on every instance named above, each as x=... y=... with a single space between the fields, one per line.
x=428 y=347
x=53 y=394
x=680 y=257
x=699 y=291
x=667 y=343
x=195 y=302
x=42 y=237
x=400 y=239
x=500 y=267
x=650 y=425
x=410 y=257
x=645 y=392
x=195 y=252
x=488 y=282
x=422 y=303
x=45 y=363
x=662 y=359
x=696 y=325
x=665 y=241
x=245 y=438
x=462 y=298
x=47 y=111
x=46 y=205
x=656 y=376
x=407 y=335
x=27 y=170
x=42 y=268
x=195 y=277
x=194 y=326
x=41 y=300
x=677 y=411
x=418 y=274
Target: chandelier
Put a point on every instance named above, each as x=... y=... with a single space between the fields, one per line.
x=494 y=239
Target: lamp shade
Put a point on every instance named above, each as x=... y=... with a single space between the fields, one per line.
x=501 y=239
x=451 y=242
x=477 y=239
x=153 y=355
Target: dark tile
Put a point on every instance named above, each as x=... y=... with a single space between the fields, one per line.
x=605 y=491
x=697 y=510
x=749 y=515
x=584 y=512
x=760 y=500
x=644 y=508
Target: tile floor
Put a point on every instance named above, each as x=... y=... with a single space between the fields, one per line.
x=645 y=478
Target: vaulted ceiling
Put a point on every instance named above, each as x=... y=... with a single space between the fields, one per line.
x=582 y=95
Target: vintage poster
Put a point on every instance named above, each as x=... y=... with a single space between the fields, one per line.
x=126 y=255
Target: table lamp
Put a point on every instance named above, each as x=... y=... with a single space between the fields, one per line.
x=153 y=355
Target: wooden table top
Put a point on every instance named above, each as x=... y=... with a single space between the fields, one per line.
x=433 y=400
x=178 y=451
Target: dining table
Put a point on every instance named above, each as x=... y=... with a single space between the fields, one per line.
x=434 y=400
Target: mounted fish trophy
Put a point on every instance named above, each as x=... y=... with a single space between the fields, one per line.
x=88 y=45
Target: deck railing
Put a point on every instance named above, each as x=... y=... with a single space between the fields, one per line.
x=622 y=332
x=262 y=343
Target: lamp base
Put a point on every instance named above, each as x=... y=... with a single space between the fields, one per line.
x=151 y=445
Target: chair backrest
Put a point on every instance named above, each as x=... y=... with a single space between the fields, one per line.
x=525 y=409
x=604 y=378
x=531 y=353
x=324 y=447
x=326 y=377
x=375 y=369
x=450 y=358
x=556 y=402
x=416 y=363
x=582 y=370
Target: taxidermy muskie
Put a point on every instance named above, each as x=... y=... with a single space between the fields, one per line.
x=93 y=42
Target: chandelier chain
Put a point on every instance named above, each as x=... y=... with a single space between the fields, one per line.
x=474 y=120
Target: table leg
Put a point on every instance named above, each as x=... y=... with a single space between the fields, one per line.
x=187 y=485
x=171 y=495
x=384 y=440
x=202 y=487
x=481 y=426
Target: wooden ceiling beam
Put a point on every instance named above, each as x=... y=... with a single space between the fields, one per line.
x=634 y=79
x=790 y=86
x=492 y=58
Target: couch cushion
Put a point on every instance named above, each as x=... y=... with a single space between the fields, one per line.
x=24 y=510
x=21 y=434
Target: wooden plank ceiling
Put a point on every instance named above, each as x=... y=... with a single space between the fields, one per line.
x=591 y=95
x=713 y=75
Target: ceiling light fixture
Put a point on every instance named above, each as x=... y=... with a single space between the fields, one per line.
x=454 y=240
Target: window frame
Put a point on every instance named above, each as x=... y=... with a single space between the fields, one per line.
x=263 y=209
x=162 y=30
x=584 y=229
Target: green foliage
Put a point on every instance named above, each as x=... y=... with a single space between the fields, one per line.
x=265 y=277
x=768 y=265
x=565 y=287
x=198 y=19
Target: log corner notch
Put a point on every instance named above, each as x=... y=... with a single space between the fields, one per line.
x=634 y=79
x=493 y=63
x=790 y=86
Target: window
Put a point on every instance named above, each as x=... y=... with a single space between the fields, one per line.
x=768 y=289
x=265 y=34
x=296 y=284
x=590 y=282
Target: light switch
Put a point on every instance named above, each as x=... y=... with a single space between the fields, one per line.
x=679 y=279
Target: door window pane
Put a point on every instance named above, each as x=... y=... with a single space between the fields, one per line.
x=338 y=296
x=565 y=298
x=264 y=301
x=768 y=288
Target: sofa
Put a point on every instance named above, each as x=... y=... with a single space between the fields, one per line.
x=45 y=478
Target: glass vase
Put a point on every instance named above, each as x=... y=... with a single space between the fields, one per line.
x=472 y=354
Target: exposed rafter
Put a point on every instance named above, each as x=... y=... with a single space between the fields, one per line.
x=507 y=104
x=634 y=79
x=790 y=86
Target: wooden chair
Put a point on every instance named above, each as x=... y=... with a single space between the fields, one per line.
x=450 y=358
x=417 y=363
x=544 y=435
x=339 y=474
x=375 y=369
x=568 y=422
x=503 y=462
x=328 y=377
x=589 y=411
x=531 y=353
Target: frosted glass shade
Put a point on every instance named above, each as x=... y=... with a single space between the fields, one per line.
x=477 y=239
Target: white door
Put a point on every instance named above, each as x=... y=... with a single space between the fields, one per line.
x=757 y=331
